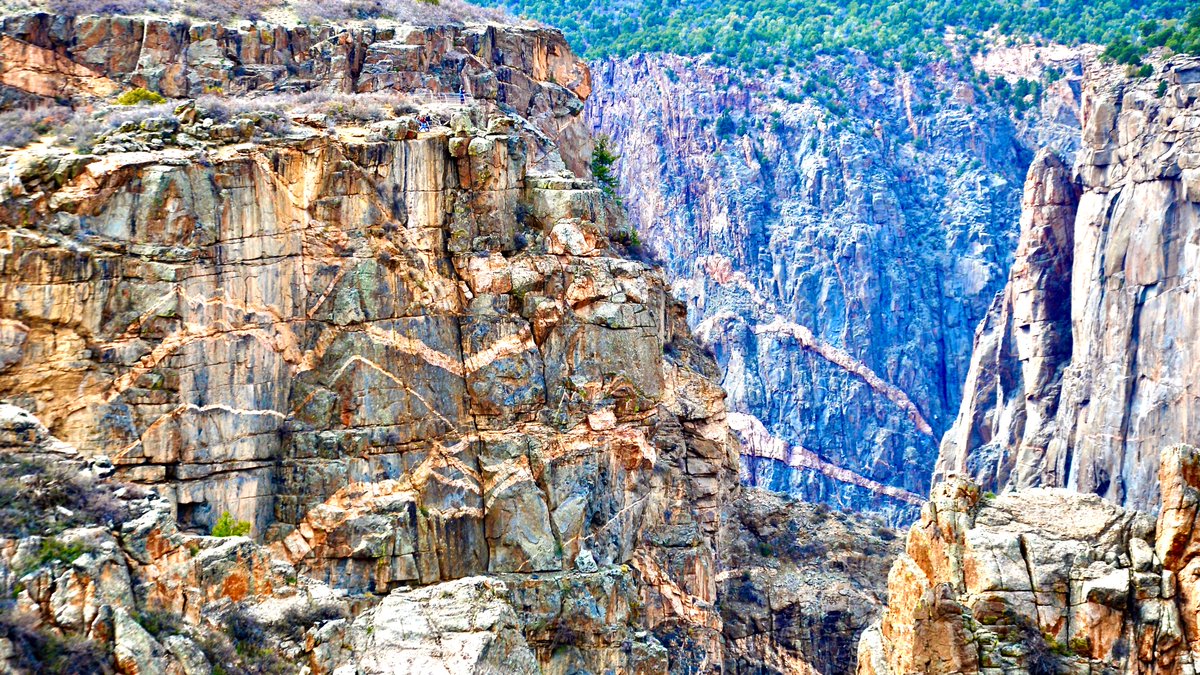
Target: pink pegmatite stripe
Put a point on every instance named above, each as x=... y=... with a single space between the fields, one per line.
x=839 y=357
x=758 y=442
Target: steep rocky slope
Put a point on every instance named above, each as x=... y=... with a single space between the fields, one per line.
x=837 y=234
x=530 y=71
x=1081 y=379
x=801 y=582
x=1045 y=580
x=1084 y=368
x=386 y=325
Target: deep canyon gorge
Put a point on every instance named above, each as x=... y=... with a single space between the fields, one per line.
x=326 y=346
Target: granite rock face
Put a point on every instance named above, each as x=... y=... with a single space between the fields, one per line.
x=1044 y=580
x=836 y=245
x=414 y=362
x=801 y=582
x=530 y=70
x=1083 y=368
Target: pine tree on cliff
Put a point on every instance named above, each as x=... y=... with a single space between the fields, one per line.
x=602 y=163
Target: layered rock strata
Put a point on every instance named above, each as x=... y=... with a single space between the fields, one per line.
x=1084 y=367
x=530 y=70
x=413 y=361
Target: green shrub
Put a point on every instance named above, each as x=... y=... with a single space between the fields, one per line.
x=160 y=624
x=726 y=127
x=908 y=33
x=140 y=96
x=603 y=160
x=51 y=551
x=1144 y=70
x=628 y=237
x=228 y=526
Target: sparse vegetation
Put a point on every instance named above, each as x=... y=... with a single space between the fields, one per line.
x=39 y=497
x=884 y=532
x=627 y=237
x=228 y=526
x=36 y=650
x=1043 y=653
x=86 y=7
x=51 y=551
x=270 y=113
x=299 y=619
x=160 y=623
x=140 y=96
x=208 y=10
x=19 y=128
x=417 y=11
x=431 y=12
x=242 y=648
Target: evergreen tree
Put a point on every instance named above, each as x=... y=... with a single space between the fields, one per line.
x=603 y=160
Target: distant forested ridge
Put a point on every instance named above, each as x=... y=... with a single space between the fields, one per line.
x=766 y=33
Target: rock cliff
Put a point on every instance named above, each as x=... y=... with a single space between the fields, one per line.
x=1044 y=580
x=1084 y=368
x=530 y=71
x=465 y=431
x=837 y=234
x=800 y=583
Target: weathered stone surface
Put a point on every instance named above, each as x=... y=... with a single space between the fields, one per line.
x=408 y=358
x=800 y=584
x=53 y=56
x=1014 y=381
x=836 y=246
x=1041 y=580
x=463 y=626
x=1082 y=369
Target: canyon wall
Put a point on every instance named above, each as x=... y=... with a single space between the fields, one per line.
x=1079 y=409
x=837 y=234
x=529 y=70
x=1084 y=368
x=405 y=358
x=1045 y=580
x=799 y=585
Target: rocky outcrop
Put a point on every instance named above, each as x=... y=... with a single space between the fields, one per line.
x=1083 y=368
x=106 y=557
x=1019 y=349
x=800 y=584
x=1044 y=580
x=531 y=70
x=837 y=234
x=412 y=360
